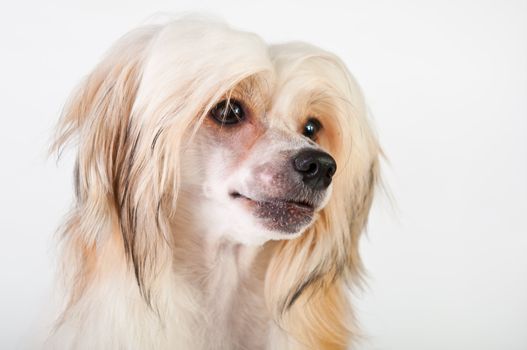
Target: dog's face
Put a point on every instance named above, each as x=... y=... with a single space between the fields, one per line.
x=251 y=133
x=263 y=172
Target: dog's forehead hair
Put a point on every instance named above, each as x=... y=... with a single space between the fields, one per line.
x=254 y=91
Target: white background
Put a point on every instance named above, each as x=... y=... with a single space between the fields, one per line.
x=446 y=82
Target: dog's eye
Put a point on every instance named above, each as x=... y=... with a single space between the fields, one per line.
x=228 y=112
x=311 y=128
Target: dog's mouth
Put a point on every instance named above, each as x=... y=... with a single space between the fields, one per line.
x=300 y=204
x=279 y=214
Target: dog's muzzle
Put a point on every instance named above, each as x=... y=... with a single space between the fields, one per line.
x=298 y=187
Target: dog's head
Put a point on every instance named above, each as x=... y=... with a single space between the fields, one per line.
x=198 y=124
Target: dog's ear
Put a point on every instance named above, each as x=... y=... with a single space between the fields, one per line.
x=99 y=118
x=306 y=279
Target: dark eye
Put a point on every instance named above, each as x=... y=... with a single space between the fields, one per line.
x=228 y=112
x=311 y=128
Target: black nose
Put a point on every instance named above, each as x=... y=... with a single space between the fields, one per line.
x=316 y=167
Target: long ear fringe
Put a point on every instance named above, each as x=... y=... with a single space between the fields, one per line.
x=322 y=317
x=97 y=117
x=306 y=281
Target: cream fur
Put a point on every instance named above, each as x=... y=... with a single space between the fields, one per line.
x=155 y=254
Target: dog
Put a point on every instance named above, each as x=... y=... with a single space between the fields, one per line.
x=221 y=186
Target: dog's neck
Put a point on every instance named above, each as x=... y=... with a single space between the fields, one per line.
x=230 y=279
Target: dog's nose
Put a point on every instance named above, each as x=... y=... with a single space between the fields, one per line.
x=316 y=167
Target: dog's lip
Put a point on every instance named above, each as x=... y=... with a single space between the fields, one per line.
x=285 y=215
x=303 y=205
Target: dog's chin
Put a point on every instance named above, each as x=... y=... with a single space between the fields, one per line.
x=281 y=217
